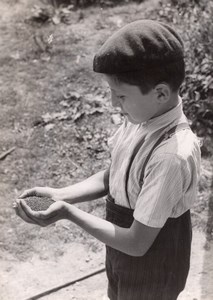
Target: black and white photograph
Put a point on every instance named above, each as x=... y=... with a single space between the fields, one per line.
x=106 y=150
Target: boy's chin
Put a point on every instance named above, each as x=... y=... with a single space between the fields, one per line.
x=135 y=122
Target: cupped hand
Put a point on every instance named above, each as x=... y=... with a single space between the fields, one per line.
x=56 y=212
x=52 y=193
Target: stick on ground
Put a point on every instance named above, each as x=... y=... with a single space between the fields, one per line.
x=38 y=296
x=6 y=153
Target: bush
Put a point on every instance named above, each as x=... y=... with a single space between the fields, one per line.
x=85 y=3
x=193 y=21
x=197 y=90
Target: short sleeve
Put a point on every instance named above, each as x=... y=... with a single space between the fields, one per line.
x=165 y=179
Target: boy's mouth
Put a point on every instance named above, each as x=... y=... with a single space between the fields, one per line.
x=124 y=113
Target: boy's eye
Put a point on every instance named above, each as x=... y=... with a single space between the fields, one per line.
x=121 y=97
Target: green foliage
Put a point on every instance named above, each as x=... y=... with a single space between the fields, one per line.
x=198 y=87
x=103 y=3
x=193 y=20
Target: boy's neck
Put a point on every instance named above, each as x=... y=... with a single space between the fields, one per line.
x=175 y=99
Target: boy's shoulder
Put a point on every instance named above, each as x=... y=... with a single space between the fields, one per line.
x=182 y=145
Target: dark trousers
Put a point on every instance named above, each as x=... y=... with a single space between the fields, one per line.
x=158 y=275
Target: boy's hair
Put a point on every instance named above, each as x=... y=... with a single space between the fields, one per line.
x=172 y=74
x=143 y=53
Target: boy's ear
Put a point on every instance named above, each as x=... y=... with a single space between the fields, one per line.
x=162 y=93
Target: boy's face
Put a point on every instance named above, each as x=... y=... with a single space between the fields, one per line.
x=136 y=106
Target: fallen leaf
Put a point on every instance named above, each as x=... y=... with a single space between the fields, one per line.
x=49 y=127
x=56 y=19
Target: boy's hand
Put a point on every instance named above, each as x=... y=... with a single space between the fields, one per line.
x=42 y=192
x=56 y=211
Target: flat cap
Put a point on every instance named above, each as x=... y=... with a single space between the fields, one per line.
x=136 y=45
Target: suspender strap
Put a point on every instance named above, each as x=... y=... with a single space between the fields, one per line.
x=162 y=138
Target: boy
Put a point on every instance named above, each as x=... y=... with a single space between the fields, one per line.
x=151 y=183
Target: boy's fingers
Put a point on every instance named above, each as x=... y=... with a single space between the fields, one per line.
x=27 y=193
x=21 y=213
x=42 y=218
x=28 y=211
x=36 y=191
x=14 y=205
x=38 y=215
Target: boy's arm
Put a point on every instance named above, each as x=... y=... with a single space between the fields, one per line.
x=89 y=189
x=94 y=187
x=134 y=241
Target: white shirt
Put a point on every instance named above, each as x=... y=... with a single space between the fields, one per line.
x=171 y=175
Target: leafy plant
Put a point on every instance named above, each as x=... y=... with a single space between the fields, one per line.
x=193 y=20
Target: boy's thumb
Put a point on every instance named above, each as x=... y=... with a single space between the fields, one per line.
x=27 y=193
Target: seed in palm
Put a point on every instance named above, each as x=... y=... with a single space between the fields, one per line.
x=38 y=203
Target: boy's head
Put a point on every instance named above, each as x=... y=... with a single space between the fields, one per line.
x=145 y=55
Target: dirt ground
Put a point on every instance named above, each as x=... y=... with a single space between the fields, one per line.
x=55 y=118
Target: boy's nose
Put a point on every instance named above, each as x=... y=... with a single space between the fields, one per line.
x=115 y=101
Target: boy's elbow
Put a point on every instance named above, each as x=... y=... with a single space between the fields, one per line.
x=141 y=238
x=138 y=252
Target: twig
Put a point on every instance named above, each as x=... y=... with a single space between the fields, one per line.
x=199 y=215
x=6 y=153
x=65 y=285
x=75 y=164
x=54 y=3
x=40 y=43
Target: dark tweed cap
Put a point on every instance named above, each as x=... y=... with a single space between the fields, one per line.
x=144 y=43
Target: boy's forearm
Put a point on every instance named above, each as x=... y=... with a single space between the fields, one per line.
x=106 y=232
x=92 y=188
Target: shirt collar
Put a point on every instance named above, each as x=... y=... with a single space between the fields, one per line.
x=165 y=119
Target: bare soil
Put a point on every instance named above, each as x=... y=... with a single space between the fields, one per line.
x=55 y=111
